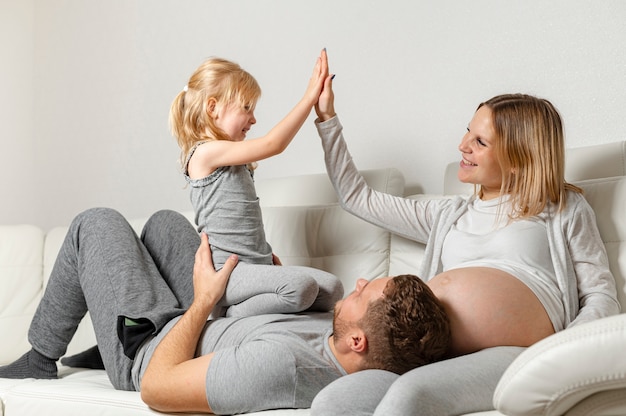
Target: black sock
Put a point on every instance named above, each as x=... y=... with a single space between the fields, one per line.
x=90 y=358
x=30 y=365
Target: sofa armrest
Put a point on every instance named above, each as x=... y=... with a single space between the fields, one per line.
x=604 y=403
x=566 y=370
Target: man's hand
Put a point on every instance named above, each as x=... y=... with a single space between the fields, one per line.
x=208 y=284
x=174 y=380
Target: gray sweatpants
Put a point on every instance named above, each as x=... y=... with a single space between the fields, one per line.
x=451 y=387
x=104 y=267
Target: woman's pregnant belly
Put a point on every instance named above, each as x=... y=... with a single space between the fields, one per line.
x=489 y=307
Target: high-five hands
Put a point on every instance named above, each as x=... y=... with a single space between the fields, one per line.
x=325 y=106
x=316 y=82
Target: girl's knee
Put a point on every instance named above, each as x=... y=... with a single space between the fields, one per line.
x=336 y=290
x=302 y=293
x=330 y=291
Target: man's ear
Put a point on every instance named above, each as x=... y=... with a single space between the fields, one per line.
x=358 y=341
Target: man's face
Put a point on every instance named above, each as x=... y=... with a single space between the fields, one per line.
x=352 y=308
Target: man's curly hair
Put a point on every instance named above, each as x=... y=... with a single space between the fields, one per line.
x=406 y=328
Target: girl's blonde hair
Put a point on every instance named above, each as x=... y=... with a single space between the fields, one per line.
x=530 y=147
x=218 y=79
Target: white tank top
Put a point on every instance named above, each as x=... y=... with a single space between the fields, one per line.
x=484 y=237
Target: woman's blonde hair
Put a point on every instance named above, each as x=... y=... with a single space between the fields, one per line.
x=218 y=79
x=531 y=150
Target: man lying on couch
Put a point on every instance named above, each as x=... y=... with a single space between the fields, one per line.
x=149 y=301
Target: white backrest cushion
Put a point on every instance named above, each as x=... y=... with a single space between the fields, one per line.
x=328 y=238
x=316 y=189
x=595 y=162
x=21 y=254
x=306 y=226
x=607 y=197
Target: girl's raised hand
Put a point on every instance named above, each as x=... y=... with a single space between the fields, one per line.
x=316 y=83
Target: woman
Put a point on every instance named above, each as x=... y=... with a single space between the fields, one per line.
x=517 y=261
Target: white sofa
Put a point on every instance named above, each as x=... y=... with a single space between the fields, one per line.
x=577 y=372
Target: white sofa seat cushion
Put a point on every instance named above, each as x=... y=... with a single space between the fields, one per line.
x=87 y=392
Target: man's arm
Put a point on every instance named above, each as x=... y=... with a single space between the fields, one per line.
x=174 y=380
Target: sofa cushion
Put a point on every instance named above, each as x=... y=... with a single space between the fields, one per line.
x=316 y=189
x=607 y=197
x=87 y=392
x=21 y=254
x=328 y=238
x=596 y=161
x=306 y=226
x=79 y=392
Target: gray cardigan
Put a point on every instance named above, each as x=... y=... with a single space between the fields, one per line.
x=586 y=284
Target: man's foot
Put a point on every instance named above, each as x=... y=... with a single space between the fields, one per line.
x=90 y=358
x=30 y=365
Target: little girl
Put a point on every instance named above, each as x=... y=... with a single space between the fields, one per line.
x=210 y=119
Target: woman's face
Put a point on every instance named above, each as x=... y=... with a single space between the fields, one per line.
x=479 y=164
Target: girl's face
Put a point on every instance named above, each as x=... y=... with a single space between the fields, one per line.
x=479 y=164
x=234 y=121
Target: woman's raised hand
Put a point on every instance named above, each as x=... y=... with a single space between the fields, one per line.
x=325 y=106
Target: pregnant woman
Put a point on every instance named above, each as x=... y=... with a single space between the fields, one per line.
x=517 y=261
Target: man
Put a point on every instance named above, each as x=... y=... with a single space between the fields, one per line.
x=150 y=308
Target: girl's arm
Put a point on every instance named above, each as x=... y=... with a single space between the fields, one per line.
x=219 y=153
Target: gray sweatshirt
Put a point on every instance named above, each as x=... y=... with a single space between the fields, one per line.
x=579 y=258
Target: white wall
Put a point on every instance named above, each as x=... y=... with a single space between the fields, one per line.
x=17 y=161
x=88 y=85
